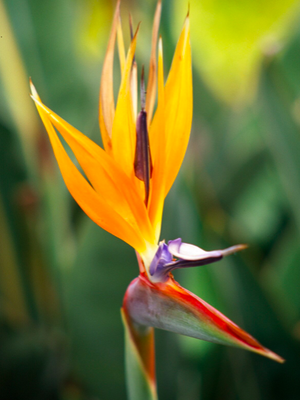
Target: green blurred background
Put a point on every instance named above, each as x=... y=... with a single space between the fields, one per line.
x=62 y=278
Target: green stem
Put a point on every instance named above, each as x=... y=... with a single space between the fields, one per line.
x=139 y=360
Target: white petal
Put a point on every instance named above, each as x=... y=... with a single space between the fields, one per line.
x=186 y=251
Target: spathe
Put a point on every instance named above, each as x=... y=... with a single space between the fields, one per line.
x=170 y=307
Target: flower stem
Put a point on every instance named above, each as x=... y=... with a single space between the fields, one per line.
x=139 y=360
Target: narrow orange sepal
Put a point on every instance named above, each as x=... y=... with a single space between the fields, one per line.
x=151 y=87
x=106 y=95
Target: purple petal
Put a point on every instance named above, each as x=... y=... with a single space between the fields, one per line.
x=162 y=258
x=187 y=255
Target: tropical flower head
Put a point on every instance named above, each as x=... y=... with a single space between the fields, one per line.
x=128 y=181
x=125 y=184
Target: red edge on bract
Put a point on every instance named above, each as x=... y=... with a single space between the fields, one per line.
x=197 y=306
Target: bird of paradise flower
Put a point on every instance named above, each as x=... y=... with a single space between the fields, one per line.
x=124 y=193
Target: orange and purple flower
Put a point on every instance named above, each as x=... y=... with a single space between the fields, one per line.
x=125 y=185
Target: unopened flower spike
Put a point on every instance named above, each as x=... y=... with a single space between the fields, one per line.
x=125 y=184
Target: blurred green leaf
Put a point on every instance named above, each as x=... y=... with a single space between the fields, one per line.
x=230 y=38
x=239 y=182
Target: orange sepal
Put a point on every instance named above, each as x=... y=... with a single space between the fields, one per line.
x=123 y=131
x=157 y=145
x=178 y=106
x=94 y=205
x=106 y=95
x=151 y=87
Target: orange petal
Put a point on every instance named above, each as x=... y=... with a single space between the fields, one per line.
x=87 y=198
x=123 y=134
x=106 y=96
x=121 y=48
x=134 y=88
x=157 y=147
x=178 y=106
x=151 y=87
x=107 y=178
